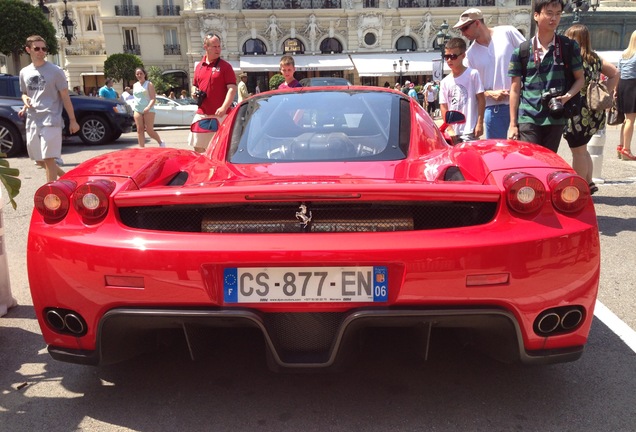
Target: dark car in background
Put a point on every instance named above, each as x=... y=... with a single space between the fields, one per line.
x=12 y=133
x=100 y=120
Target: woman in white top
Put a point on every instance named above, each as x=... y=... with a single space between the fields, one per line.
x=144 y=107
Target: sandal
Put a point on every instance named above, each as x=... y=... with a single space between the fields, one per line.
x=618 y=150
x=593 y=188
x=627 y=155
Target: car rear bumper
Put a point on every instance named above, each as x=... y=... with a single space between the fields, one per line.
x=125 y=332
x=110 y=274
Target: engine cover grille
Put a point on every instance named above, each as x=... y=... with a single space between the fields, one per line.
x=319 y=217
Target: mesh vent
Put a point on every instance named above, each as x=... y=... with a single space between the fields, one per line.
x=323 y=217
x=299 y=336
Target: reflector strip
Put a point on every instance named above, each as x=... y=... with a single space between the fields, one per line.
x=125 y=282
x=488 y=279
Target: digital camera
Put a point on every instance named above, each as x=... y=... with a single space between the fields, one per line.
x=200 y=96
x=549 y=99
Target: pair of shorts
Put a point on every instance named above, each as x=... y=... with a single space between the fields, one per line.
x=202 y=140
x=44 y=142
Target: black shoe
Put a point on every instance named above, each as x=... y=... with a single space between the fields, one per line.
x=593 y=188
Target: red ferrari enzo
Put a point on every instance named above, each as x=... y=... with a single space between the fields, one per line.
x=315 y=214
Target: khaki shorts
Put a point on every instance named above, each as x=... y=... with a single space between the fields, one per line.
x=202 y=140
x=44 y=142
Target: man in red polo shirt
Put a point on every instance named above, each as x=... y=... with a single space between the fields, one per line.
x=216 y=78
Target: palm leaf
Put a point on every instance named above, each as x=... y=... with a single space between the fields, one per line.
x=9 y=178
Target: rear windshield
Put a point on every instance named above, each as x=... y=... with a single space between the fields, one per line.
x=318 y=126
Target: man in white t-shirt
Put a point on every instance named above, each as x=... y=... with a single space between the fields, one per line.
x=490 y=54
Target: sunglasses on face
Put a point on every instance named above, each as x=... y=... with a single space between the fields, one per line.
x=451 y=56
x=466 y=27
x=43 y=49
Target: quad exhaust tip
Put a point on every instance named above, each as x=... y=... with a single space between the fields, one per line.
x=65 y=321
x=558 y=320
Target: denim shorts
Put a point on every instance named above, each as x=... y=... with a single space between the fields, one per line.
x=497 y=121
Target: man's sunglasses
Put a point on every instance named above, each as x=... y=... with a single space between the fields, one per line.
x=44 y=49
x=451 y=56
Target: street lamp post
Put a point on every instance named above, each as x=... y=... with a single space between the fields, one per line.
x=578 y=6
x=441 y=38
x=43 y=8
x=401 y=62
x=67 y=25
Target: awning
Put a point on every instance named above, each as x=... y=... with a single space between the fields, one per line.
x=381 y=64
x=610 y=56
x=304 y=62
x=235 y=65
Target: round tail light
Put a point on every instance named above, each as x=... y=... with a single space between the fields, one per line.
x=524 y=192
x=52 y=200
x=92 y=198
x=570 y=192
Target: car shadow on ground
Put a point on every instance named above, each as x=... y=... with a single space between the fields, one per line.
x=231 y=388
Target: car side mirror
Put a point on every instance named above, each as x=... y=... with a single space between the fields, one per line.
x=454 y=117
x=205 y=125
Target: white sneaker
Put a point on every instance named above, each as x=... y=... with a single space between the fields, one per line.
x=162 y=144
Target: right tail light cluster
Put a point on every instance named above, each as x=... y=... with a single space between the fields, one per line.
x=526 y=194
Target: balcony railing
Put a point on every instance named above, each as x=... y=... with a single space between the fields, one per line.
x=213 y=4
x=126 y=10
x=172 y=50
x=86 y=50
x=444 y=3
x=292 y=4
x=371 y=3
x=132 y=49
x=163 y=10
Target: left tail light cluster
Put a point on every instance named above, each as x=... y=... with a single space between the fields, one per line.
x=526 y=194
x=90 y=200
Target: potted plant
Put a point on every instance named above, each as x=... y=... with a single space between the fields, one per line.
x=9 y=178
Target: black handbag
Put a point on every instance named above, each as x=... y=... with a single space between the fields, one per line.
x=614 y=116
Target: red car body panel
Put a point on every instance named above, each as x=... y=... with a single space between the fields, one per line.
x=551 y=259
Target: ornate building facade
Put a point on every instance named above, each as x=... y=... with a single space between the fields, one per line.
x=361 y=40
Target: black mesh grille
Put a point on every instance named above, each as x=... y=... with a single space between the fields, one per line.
x=324 y=217
x=303 y=336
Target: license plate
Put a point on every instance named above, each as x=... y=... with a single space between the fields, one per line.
x=305 y=284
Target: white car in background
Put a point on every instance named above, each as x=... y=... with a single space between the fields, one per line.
x=171 y=113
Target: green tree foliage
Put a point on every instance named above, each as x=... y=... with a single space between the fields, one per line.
x=121 y=67
x=162 y=83
x=275 y=81
x=18 y=21
x=9 y=178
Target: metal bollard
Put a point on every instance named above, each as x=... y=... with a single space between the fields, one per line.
x=595 y=148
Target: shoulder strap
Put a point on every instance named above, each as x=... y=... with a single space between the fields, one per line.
x=524 y=54
x=566 y=57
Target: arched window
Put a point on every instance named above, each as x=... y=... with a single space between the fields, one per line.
x=330 y=45
x=254 y=46
x=405 y=43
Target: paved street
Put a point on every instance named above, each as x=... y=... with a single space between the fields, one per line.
x=232 y=390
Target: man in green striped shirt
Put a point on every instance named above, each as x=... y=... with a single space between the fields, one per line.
x=552 y=63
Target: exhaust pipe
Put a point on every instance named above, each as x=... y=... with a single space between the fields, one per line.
x=55 y=320
x=571 y=319
x=65 y=321
x=549 y=322
x=74 y=323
